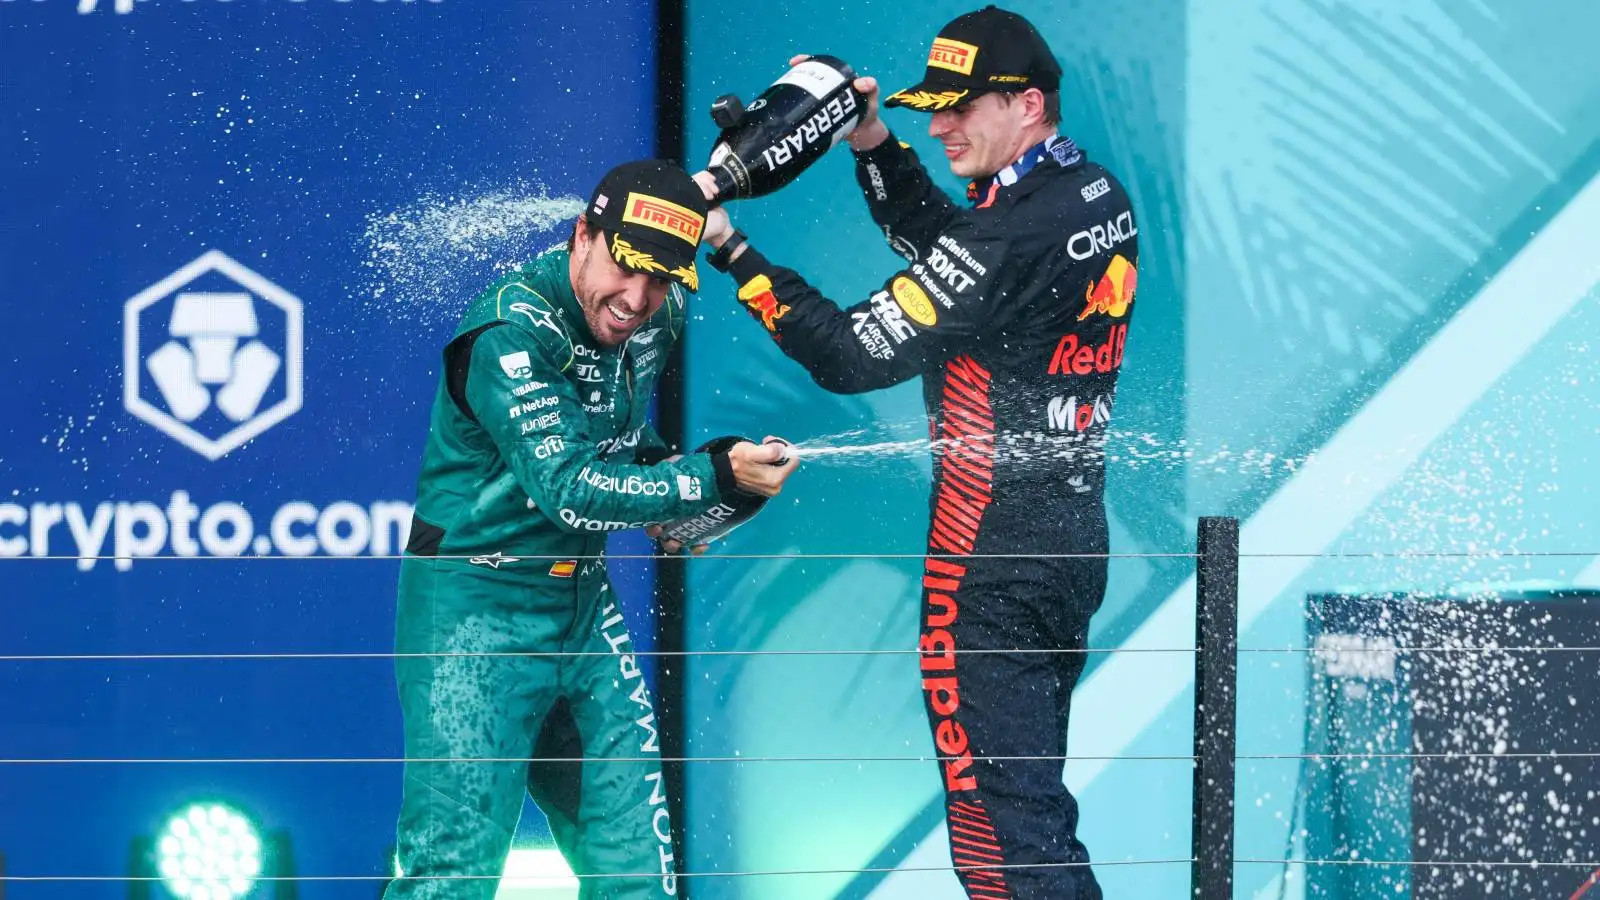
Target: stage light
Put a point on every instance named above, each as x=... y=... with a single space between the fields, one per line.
x=209 y=851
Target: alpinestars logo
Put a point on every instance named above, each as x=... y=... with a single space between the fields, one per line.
x=212 y=355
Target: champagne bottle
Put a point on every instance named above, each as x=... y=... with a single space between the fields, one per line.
x=767 y=144
x=719 y=520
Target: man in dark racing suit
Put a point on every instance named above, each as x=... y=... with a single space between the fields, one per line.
x=1015 y=313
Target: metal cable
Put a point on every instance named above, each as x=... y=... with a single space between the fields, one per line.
x=1344 y=555
x=1485 y=863
x=1532 y=864
x=540 y=557
x=1555 y=648
x=1427 y=554
x=1549 y=754
x=1063 y=758
x=89 y=657
x=885 y=870
x=328 y=655
x=395 y=760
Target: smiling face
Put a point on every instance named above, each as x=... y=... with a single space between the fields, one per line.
x=988 y=132
x=615 y=301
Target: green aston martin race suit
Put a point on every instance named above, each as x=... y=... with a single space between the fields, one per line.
x=533 y=457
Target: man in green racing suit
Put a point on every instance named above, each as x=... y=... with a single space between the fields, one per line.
x=511 y=645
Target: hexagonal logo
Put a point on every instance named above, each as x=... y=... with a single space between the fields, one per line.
x=212 y=355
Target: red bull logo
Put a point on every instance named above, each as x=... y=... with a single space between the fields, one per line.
x=940 y=681
x=1112 y=294
x=1073 y=357
x=757 y=294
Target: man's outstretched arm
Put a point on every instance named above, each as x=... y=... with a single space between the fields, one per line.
x=544 y=437
x=960 y=284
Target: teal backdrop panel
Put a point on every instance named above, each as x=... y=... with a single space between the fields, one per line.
x=757 y=816
x=1368 y=321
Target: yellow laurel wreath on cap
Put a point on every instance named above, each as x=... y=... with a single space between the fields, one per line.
x=633 y=259
x=690 y=278
x=928 y=99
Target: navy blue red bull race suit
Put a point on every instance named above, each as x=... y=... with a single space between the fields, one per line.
x=1015 y=314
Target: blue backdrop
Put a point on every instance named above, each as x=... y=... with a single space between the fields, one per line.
x=362 y=167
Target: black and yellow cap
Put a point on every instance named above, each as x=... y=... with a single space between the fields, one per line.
x=981 y=52
x=653 y=215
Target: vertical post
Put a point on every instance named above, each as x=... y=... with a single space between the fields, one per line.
x=1216 y=670
x=281 y=865
x=671 y=576
x=141 y=869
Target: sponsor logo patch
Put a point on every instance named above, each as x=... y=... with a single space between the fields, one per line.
x=516 y=365
x=1073 y=357
x=1073 y=414
x=914 y=301
x=871 y=336
x=1097 y=239
x=757 y=294
x=212 y=355
x=1111 y=294
x=494 y=560
x=891 y=317
x=664 y=215
x=955 y=56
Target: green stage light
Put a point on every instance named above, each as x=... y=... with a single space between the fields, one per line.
x=209 y=851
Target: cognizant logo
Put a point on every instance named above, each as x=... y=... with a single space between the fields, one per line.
x=143 y=529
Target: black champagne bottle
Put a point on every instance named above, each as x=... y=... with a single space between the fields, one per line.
x=801 y=116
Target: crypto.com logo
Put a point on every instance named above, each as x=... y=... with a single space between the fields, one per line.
x=212 y=358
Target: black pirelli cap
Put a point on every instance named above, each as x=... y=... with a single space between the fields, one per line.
x=653 y=215
x=978 y=53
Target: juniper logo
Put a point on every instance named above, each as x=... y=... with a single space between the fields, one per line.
x=212 y=355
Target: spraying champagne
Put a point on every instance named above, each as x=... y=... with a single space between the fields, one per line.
x=801 y=116
x=735 y=509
